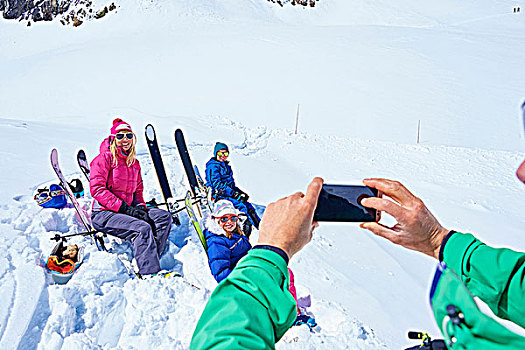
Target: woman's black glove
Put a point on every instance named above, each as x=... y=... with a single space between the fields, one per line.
x=138 y=212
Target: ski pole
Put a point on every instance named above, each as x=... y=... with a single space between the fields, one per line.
x=183 y=208
x=176 y=200
x=58 y=237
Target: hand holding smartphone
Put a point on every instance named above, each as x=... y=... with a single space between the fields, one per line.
x=342 y=203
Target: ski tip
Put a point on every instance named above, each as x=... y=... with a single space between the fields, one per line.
x=81 y=155
x=149 y=131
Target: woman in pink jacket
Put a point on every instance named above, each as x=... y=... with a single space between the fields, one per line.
x=119 y=208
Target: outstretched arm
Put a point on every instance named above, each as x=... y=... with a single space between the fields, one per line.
x=416 y=229
x=495 y=275
x=253 y=308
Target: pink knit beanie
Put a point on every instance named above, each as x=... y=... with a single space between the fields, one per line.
x=119 y=125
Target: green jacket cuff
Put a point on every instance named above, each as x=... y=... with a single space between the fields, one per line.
x=271 y=257
x=457 y=247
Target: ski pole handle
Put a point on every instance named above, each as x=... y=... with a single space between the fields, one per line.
x=415 y=335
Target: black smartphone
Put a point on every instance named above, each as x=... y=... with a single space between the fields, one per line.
x=343 y=203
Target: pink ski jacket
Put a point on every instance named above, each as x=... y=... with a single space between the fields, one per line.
x=292 y=289
x=110 y=184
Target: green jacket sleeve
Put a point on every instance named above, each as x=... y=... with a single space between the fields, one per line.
x=495 y=275
x=251 y=309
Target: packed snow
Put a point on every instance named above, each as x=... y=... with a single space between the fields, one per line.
x=364 y=74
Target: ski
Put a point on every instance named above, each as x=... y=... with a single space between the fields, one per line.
x=186 y=161
x=156 y=157
x=205 y=190
x=83 y=164
x=99 y=242
x=195 y=222
x=190 y=171
x=154 y=151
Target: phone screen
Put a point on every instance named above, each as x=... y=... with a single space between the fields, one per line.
x=343 y=203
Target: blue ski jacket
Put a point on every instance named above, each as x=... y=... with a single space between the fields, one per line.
x=219 y=176
x=223 y=252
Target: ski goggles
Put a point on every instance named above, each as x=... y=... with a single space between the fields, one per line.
x=63 y=266
x=226 y=218
x=121 y=135
x=223 y=154
x=45 y=195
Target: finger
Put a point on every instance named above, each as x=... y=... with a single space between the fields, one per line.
x=382 y=231
x=385 y=205
x=314 y=188
x=393 y=189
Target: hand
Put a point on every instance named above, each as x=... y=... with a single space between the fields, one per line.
x=288 y=223
x=239 y=195
x=142 y=214
x=243 y=197
x=416 y=229
x=138 y=211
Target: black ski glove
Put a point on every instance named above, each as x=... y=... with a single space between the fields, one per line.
x=243 y=196
x=138 y=212
x=149 y=220
x=237 y=195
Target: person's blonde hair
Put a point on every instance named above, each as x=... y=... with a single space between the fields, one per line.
x=237 y=228
x=130 y=159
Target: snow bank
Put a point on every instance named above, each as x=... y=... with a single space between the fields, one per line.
x=364 y=292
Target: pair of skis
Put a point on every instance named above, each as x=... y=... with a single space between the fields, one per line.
x=197 y=190
x=95 y=235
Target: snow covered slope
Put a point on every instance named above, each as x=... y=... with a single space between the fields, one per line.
x=364 y=292
x=364 y=73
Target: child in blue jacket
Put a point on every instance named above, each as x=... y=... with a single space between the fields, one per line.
x=219 y=176
x=227 y=244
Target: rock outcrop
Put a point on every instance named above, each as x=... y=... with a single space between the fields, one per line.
x=68 y=12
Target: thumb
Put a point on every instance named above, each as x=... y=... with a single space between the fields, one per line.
x=380 y=230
